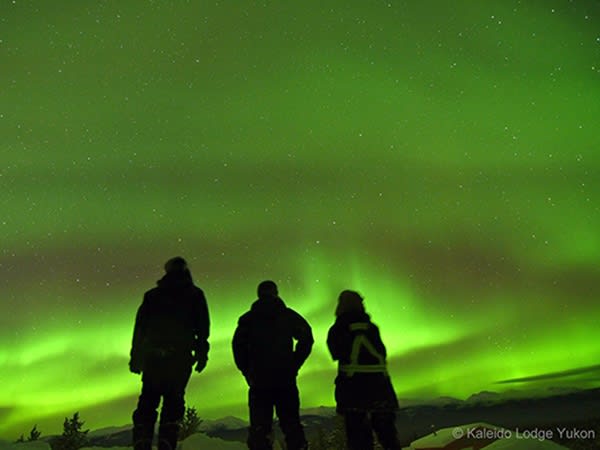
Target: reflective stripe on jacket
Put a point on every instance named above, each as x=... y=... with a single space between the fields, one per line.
x=360 y=342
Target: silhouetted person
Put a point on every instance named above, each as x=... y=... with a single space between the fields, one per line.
x=170 y=336
x=363 y=390
x=263 y=349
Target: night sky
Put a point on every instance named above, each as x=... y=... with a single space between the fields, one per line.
x=442 y=158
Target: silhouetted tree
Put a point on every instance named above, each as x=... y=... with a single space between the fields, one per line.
x=190 y=424
x=34 y=435
x=73 y=437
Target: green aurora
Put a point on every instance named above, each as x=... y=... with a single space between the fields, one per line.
x=439 y=157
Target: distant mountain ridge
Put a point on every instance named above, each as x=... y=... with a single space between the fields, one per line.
x=417 y=417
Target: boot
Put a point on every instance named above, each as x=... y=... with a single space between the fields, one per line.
x=167 y=436
x=260 y=438
x=142 y=437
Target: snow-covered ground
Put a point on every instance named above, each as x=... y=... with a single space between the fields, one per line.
x=505 y=439
x=515 y=444
x=197 y=441
x=202 y=441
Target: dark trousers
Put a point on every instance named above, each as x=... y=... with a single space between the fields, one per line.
x=360 y=426
x=166 y=381
x=286 y=402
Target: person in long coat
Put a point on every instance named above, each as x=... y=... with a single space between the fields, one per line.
x=364 y=393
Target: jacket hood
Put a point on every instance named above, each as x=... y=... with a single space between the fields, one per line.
x=176 y=280
x=268 y=306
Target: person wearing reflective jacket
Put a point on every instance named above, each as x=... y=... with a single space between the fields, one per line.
x=363 y=389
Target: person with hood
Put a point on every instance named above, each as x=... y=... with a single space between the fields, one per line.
x=363 y=390
x=170 y=336
x=264 y=351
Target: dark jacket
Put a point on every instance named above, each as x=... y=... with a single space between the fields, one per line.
x=362 y=383
x=172 y=323
x=263 y=343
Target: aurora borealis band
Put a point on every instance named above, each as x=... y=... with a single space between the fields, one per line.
x=442 y=158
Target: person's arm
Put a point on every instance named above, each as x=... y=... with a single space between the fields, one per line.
x=303 y=335
x=334 y=343
x=136 y=359
x=202 y=332
x=239 y=346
